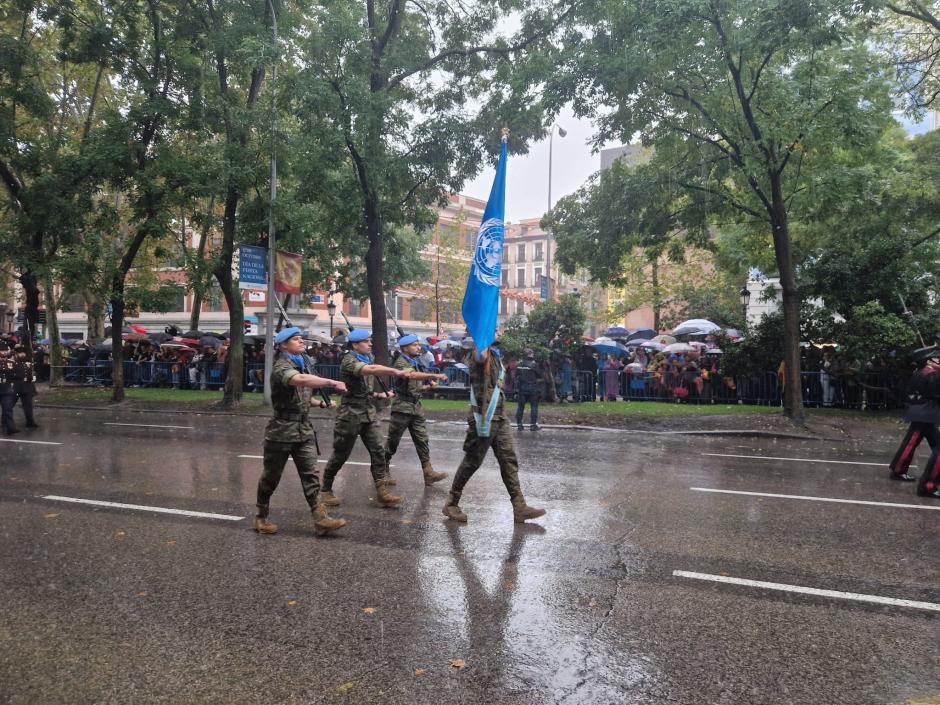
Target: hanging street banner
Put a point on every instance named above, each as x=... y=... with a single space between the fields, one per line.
x=481 y=300
x=288 y=271
x=252 y=267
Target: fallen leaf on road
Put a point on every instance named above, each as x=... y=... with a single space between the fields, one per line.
x=119 y=534
x=51 y=515
x=369 y=610
x=171 y=543
x=420 y=671
x=291 y=603
x=142 y=593
x=724 y=573
x=407 y=521
x=345 y=687
x=458 y=663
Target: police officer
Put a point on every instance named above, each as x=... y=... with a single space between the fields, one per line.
x=529 y=375
x=356 y=418
x=24 y=384
x=488 y=428
x=7 y=393
x=407 y=413
x=290 y=433
x=925 y=410
x=923 y=414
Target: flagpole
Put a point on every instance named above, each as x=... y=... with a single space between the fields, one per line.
x=272 y=258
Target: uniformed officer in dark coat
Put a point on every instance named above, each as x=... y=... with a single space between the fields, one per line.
x=529 y=374
x=357 y=418
x=290 y=433
x=488 y=428
x=924 y=394
x=923 y=415
x=7 y=393
x=407 y=413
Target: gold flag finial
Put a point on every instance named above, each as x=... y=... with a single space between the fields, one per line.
x=505 y=133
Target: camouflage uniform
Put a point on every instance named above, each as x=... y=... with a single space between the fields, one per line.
x=289 y=434
x=355 y=418
x=500 y=438
x=407 y=414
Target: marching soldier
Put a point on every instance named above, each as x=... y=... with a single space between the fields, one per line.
x=922 y=414
x=24 y=384
x=290 y=433
x=488 y=428
x=7 y=392
x=407 y=413
x=356 y=418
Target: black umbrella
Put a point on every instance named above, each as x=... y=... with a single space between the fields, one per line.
x=211 y=341
x=642 y=334
x=194 y=334
x=159 y=337
x=107 y=331
x=339 y=339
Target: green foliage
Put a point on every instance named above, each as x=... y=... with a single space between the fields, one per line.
x=548 y=328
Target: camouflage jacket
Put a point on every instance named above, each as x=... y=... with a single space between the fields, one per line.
x=357 y=402
x=291 y=423
x=407 y=399
x=483 y=383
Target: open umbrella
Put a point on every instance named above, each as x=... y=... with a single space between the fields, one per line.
x=138 y=329
x=210 y=341
x=607 y=346
x=715 y=351
x=695 y=325
x=734 y=334
x=664 y=339
x=698 y=345
x=312 y=337
x=194 y=334
x=642 y=334
x=616 y=332
x=134 y=336
x=159 y=337
x=651 y=345
x=634 y=367
x=447 y=343
x=678 y=348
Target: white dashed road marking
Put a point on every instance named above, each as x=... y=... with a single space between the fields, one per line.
x=144 y=425
x=142 y=508
x=40 y=443
x=319 y=460
x=809 y=498
x=796 y=460
x=838 y=594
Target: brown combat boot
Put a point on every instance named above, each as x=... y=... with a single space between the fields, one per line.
x=388 y=471
x=522 y=511
x=451 y=510
x=431 y=475
x=323 y=523
x=384 y=497
x=329 y=499
x=261 y=523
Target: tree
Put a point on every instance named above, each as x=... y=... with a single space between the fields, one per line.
x=915 y=49
x=739 y=95
x=395 y=80
x=550 y=327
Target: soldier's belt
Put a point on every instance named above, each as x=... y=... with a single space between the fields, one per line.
x=291 y=417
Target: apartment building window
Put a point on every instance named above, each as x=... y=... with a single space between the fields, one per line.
x=537 y=280
x=539 y=251
x=520 y=252
x=520 y=278
x=520 y=308
x=505 y=277
x=503 y=305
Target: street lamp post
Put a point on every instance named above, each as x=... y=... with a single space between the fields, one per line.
x=331 y=309
x=269 y=328
x=745 y=294
x=548 y=250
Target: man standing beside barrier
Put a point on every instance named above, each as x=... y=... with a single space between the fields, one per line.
x=356 y=418
x=488 y=428
x=407 y=413
x=291 y=434
x=529 y=381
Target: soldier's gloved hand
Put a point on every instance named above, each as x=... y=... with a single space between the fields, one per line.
x=339 y=387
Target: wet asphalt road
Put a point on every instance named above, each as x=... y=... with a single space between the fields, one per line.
x=116 y=605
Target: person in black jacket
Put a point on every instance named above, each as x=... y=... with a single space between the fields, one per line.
x=7 y=394
x=925 y=397
x=528 y=379
x=922 y=414
x=24 y=384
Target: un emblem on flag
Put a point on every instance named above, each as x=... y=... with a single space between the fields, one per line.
x=489 y=252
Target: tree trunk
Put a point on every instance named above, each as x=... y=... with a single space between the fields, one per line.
x=375 y=274
x=30 y=283
x=657 y=299
x=94 y=307
x=52 y=332
x=197 y=309
x=235 y=362
x=793 y=389
x=117 y=343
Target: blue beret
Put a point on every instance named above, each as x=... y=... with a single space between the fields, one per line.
x=407 y=340
x=358 y=335
x=286 y=335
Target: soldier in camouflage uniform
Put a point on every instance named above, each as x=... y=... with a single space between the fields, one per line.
x=488 y=428
x=290 y=433
x=407 y=413
x=356 y=418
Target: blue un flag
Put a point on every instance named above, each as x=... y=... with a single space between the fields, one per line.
x=481 y=300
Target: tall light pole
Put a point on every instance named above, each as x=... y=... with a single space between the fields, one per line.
x=331 y=309
x=269 y=328
x=548 y=249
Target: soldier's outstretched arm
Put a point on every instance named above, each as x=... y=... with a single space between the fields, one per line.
x=317 y=382
x=383 y=371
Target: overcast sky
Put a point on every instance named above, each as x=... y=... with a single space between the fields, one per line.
x=527 y=175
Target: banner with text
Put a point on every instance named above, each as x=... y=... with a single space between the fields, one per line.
x=252 y=267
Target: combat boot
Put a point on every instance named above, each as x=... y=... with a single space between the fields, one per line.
x=323 y=523
x=261 y=523
x=451 y=510
x=522 y=511
x=388 y=471
x=384 y=497
x=329 y=499
x=431 y=475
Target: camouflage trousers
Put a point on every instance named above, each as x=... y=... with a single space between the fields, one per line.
x=345 y=433
x=276 y=455
x=475 y=447
x=417 y=427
